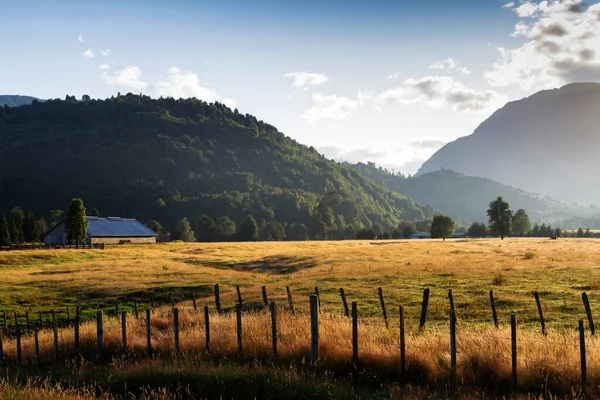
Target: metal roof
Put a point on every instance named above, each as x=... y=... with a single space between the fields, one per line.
x=116 y=226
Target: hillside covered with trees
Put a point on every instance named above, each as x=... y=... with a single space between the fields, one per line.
x=466 y=197
x=15 y=100
x=167 y=159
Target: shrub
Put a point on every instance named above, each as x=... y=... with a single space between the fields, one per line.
x=530 y=255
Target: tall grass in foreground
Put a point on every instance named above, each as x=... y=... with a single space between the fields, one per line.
x=548 y=363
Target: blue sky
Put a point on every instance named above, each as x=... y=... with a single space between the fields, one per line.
x=387 y=81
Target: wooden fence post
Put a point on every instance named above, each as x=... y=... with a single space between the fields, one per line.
x=513 y=339
x=76 y=334
x=424 y=309
x=387 y=325
x=194 y=300
x=207 y=328
x=493 y=303
x=124 y=330
x=583 y=360
x=354 y=334
x=588 y=311
x=264 y=295
x=41 y=320
x=290 y=301
x=402 y=347
x=176 y=330
x=314 y=329
x=344 y=302
x=116 y=309
x=55 y=331
x=148 y=337
x=318 y=296
x=274 y=328
x=18 y=333
x=453 y=348
x=451 y=300
x=135 y=308
x=217 y=298
x=539 y=307
x=36 y=345
x=239 y=294
x=238 y=318
x=99 y=335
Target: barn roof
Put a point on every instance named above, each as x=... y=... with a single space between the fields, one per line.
x=117 y=226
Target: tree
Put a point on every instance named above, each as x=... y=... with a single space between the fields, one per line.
x=477 y=230
x=442 y=226
x=55 y=214
x=579 y=233
x=297 y=232
x=76 y=223
x=31 y=229
x=378 y=230
x=155 y=226
x=205 y=229
x=500 y=216
x=4 y=231
x=322 y=221
x=224 y=229
x=183 y=231
x=248 y=230
x=366 y=234
x=17 y=218
x=521 y=225
x=274 y=231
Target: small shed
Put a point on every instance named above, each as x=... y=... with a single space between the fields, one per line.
x=110 y=230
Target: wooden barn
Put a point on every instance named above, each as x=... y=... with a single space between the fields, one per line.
x=111 y=230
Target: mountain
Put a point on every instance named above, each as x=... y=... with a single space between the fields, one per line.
x=547 y=143
x=166 y=159
x=15 y=100
x=467 y=198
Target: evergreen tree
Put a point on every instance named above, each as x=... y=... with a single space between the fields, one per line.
x=4 y=231
x=31 y=229
x=521 y=225
x=580 y=233
x=76 y=223
x=183 y=231
x=205 y=229
x=500 y=216
x=248 y=230
x=17 y=218
x=442 y=226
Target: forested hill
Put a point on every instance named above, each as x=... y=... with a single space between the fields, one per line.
x=15 y=101
x=166 y=159
x=467 y=198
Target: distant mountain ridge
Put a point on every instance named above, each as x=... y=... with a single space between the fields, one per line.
x=467 y=198
x=547 y=143
x=15 y=100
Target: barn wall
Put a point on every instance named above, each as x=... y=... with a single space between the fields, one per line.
x=121 y=240
x=57 y=237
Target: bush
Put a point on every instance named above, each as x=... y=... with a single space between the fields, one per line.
x=530 y=255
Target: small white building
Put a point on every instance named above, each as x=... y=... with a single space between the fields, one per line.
x=111 y=230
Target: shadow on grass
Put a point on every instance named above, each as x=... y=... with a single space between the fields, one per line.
x=271 y=264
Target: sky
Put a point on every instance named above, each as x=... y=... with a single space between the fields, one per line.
x=387 y=81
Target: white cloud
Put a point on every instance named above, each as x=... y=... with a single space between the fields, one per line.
x=449 y=64
x=129 y=77
x=88 y=53
x=395 y=75
x=80 y=38
x=330 y=107
x=561 y=44
x=436 y=92
x=509 y=5
x=104 y=66
x=301 y=79
x=105 y=52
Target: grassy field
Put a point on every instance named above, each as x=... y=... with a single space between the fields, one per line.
x=514 y=269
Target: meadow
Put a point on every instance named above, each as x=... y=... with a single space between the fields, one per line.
x=558 y=270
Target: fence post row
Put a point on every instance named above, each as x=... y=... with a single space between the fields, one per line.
x=588 y=311
x=354 y=334
x=264 y=295
x=539 y=307
x=344 y=302
x=493 y=303
x=207 y=328
x=424 y=309
x=274 y=328
x=314 y=329
x=383 y=307
x=290 y=301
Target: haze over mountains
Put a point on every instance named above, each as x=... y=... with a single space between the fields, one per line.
x=547 y=143
x=15 y=100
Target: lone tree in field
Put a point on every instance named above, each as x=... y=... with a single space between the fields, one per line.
x=183 y=231
x=4 y=231
x=521 y=225
x=500 y=216
x=75 y=223
x=442 y=226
